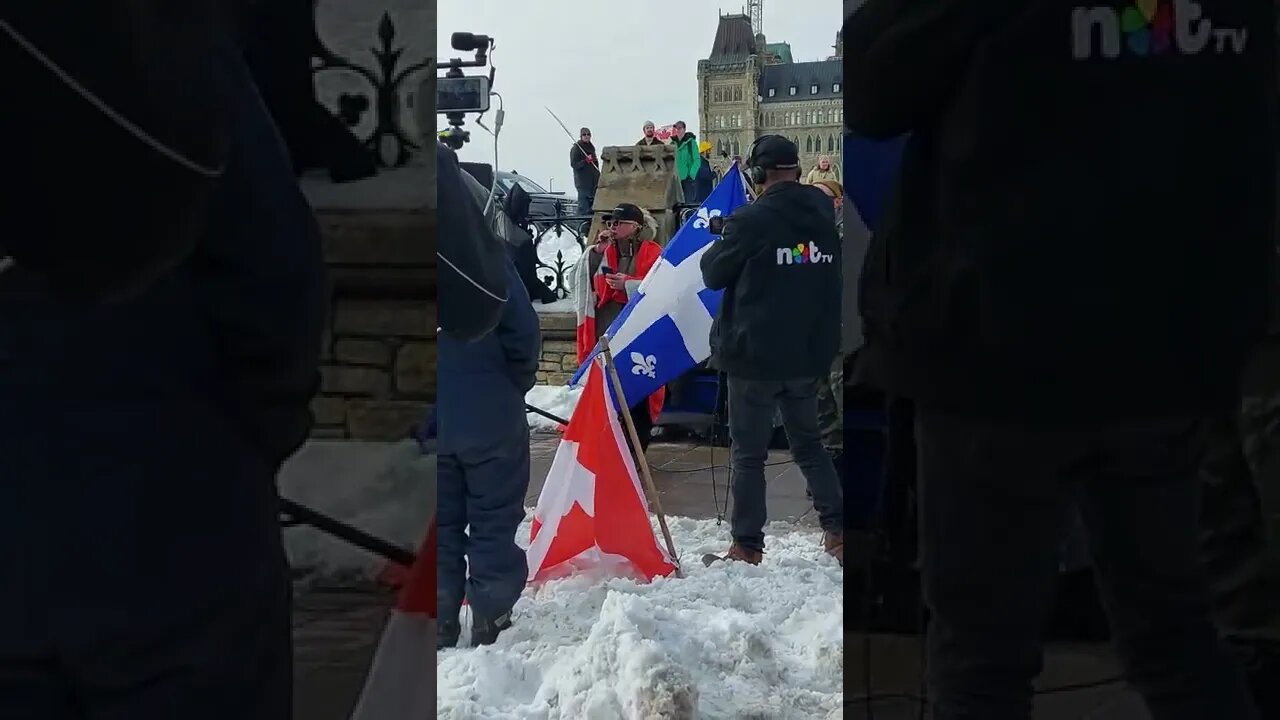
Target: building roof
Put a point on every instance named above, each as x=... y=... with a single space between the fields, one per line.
x=734 y=39
x=823 y=73
x=781 y=50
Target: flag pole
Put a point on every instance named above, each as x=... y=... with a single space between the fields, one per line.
x=649 y=487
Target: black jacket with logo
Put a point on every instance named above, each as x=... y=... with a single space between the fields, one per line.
x=780 y=316
x=1084 y=221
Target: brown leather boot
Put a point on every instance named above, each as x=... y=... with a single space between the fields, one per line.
x=833 y=544
x=739 y=553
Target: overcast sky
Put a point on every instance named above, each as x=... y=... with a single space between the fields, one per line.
x=608 y=64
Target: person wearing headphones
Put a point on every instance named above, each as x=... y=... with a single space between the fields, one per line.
x=778 y=329
x=1067 y=356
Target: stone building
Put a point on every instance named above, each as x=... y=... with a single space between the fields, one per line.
x=749 y=87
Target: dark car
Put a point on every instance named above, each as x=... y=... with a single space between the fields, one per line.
x=543 y=202
x=542 y=205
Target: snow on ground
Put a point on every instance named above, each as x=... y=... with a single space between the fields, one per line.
x=563 y=305
x=386 y=489
x=727 y=642
x=559 y=400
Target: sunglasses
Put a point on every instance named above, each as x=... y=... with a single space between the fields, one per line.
x=615 y=223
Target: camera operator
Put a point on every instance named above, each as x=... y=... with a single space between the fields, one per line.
x=483 y=436
x=148 y=430
x=775 y=336
x=122 y=236
x=1061 y=351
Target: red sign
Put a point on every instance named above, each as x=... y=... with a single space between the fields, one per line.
x=664 y=133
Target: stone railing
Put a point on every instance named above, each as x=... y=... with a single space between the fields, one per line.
x=378 y=372
x=559 y=358
x=379 y=353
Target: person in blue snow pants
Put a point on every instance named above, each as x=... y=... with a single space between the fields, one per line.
x=483 y=457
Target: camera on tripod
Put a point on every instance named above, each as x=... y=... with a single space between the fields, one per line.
x=458 y=94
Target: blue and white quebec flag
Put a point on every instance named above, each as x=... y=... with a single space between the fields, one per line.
x=666 y=327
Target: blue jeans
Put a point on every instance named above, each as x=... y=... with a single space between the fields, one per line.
x=752 y=404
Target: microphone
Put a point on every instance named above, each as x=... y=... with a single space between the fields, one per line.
x=466 y=42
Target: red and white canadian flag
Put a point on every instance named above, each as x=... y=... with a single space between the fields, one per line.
x=591 y=507
x=402 y=680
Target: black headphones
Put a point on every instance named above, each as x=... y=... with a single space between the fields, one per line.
x=755 y=173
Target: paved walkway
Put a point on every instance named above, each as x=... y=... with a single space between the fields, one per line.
x=693 y=481
x=335 y=631
x=895 y=671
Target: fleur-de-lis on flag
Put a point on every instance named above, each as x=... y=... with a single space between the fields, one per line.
x=642 y=365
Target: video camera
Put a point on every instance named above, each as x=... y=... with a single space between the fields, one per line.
x=458 y=94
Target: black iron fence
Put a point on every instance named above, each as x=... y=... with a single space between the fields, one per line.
x=554 y=270
x=387 y=84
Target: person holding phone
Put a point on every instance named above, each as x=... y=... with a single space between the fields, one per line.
x=627 y=250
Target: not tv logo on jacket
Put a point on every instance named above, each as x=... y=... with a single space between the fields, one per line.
x=803 y=255
x=1150 y=27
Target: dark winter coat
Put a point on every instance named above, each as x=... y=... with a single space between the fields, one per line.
x=140 y=440
x=780 y=316
x=650 y=141
x=472 y=279
x=481 y=405
x=585 y=164
x=1274 y=328
x=704 y=182
x=119 y=236
x=1029 y=278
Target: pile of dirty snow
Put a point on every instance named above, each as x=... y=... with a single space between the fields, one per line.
x=729 y=641
x=563 y=305
x=385 y=489
x=559 y=400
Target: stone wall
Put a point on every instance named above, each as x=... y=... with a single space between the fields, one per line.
x=379 y=353
x=559 y=348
